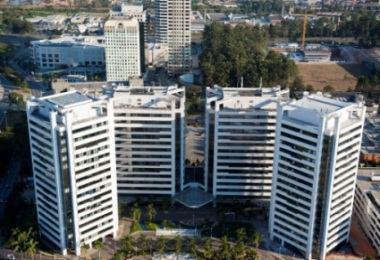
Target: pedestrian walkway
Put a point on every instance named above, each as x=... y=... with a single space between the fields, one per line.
x=194 y=198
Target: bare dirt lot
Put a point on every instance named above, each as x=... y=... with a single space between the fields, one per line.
x=340 y=77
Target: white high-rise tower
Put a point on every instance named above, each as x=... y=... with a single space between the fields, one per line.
x=240 y=135
x=73 y=158
x=149 y=135
x=316 y=158
x=172 y=24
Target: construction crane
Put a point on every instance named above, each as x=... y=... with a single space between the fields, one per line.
x=304 y=30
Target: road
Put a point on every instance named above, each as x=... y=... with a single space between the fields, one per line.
x=21 y=53
x=8 y=181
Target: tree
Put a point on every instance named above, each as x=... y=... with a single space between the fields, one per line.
x=23 y=241
x=241 y=234
x=136 y=213
x=142 y=244
x=151 y=212
x=208 y=251
x=257 y=238
x=17 y=99
x=250 y=254
x=193 y=248
x=328 y=88
x=118 y=256
x=24 y=86
x=127 y=247
x=225 y=249
x=235 y=53
x=178 y=246
x=297 y=86
x=161 y=245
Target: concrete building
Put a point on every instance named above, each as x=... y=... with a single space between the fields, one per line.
x=73 y=158
x=173 y=27
x=370 y=152
x=149 y=135
x=84 y=54
x=134 y=10
x=315 y=166
x=123 y=49
x=240 y=132
x=156 y=55
x=367 y=204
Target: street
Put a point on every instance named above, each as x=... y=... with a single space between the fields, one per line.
x=20 y=53
x=7 y=182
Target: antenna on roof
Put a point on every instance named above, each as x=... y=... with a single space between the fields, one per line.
x=242 y=82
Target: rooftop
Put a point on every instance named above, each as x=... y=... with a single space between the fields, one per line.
x=68 y=99
x=320 y=103
x=369 y=182
x=71 y=40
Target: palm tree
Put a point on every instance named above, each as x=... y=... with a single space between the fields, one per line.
x=239 y=250
x=193 y=248
x=161 y=245
x=225 y=249
x=151 y=212
x=178 y=245
x=257 y=238
x=136 y=213
x=250 y=254
x=127 y=247
x=241 y=235
x=22 y=241
x=208 y=251
x=142 y=244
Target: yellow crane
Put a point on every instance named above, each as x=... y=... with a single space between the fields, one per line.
x=304 y=30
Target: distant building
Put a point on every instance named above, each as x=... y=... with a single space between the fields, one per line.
x=370 y=152
x=72 y=147
x=240 y=136
x=149 y=135
x=83 y=54
x=123 y=53
x=49 y=23
x=197 y=22
x=367 y=204
x=173 y=27
x=316 y=53
x=132 y=10
x=157 y=55
x=315 y=167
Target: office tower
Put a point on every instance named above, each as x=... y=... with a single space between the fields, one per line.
x=172 y=25
x=240 y=135
x=315 y=165
x=366 y=205
x=133 y=10
x=123 y=53
x=149 y=134
x=72 y=148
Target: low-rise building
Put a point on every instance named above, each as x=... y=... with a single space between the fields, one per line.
x=49 y=23
x=367 y=204
x=370 y=152
x=82 y=54
x=316 y=53
x=197 y=22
